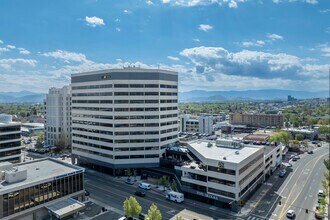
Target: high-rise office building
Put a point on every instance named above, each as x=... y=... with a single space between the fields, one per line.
x=123 y=118
x=205 y=124
x=58 y=117
x=10 y=139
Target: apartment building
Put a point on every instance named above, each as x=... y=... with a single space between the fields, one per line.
x=40 y=189
x=123 y=118
x=10 y=139
x=257 y=120
x=58 y=117
x=225 y=172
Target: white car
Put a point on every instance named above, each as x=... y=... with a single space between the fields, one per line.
x=290 y=214
x=145 y=186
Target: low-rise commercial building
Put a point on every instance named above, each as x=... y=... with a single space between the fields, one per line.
x=225 y=172
x=10 y=139
x=36 y=189
x=310 y=134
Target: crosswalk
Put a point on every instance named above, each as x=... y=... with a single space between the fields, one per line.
x=255 y=218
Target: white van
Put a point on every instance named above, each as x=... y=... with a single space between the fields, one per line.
x=175 y=196
x=145 y=186
x=320 y=193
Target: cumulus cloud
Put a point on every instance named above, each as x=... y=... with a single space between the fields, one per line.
x=118 y=29
x=325 y=49
x=94 y=21
x=275 y=37
x=325 y=11
x=247 y=63
x=257 y=43
x=3 y=49
x=191 y=3
x=11 y=46
x=66 y=56
x=1 y=42
x=196 y=40
x=127 y=12
x=10 y=63
x=149 y=2
x=205 y=27
x=173 y=58
x=23 y=51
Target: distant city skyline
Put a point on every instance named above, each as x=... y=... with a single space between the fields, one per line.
x=212 y=44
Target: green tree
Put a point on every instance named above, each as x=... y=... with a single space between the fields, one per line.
x=154 y=213
x=40 y=140
x=280 y=136
x=131 y=207
x=174 y=187
x=162 y=181
x=179 y=217
x=299 y=137
x=304 y=144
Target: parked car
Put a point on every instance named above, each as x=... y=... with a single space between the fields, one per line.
x=129 y=181
x=139 y=193
x=290 y=214
x=310 y=152
x=282 y=173
x=142 y=216
x=145 y=186
x=320 y=193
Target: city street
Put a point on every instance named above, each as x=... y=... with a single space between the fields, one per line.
x=297 y=190
x=113 y=191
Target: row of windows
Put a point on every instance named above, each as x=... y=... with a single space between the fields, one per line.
x=251 y=183
x=221 y=181
x=93 y=101
x=92 y=87
x=251 y=163
x=92 y=109
x=10 y=144
x=10 y=137
x=10 y=129
x=124 y=125
x=124 y=109
x=133 y=117
x=251 y=173
x=169 y=138
x=95 y=131
x=92 y=94
x=168 y=93
x=23 y=199
x=168 y=130
x=115 y=149
x=93 y=116
x=118 y=157
x=168 y=123
x=93 y=138
x=221 y=170
x=10 y=153
x=221 y=192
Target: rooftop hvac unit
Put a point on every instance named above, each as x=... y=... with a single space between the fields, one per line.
x=209 y=144
x=237 y=152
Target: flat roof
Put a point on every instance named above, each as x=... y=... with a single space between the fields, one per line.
x=13 y=123
x=40 y=171
x=218 y=153
x=189 y=215
x=66 y=207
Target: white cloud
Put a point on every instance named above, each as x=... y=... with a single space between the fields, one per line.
x=94 y=21
x=149 y=2
x=3 y=49
x=325 y=11
x=257 y=43
x=66 y=56
x=325 y=49
x=9 y=63
x=118 y=29
x=196 y=40
x=192 y=3
x=173 y=58
x=127 y=12
x=327 y=30
x=1 y=42
x=275 y=37
x=11 y=46
x=205 y=27
x=23 y=51
x=117 y=20
x=313 y=2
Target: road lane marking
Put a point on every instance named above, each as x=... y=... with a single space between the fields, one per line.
x=304 y=184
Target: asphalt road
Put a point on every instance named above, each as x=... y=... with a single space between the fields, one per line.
x=297 y=190
x=113 y=192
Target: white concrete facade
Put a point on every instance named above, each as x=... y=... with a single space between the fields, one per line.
x=10 y=140
x=188 y=123
x=58 y=116
x=205 y=124
x=124 y=118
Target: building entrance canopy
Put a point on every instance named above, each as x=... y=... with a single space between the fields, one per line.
x=65 y=208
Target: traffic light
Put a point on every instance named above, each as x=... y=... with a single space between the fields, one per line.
x=306 y=210
x=279 y=202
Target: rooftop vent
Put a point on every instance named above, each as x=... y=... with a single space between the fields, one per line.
x=209 y=144
x=237 y=152
x=224 y=158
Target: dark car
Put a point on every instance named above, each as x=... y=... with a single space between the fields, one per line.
x=142 y=216
x=310 y=152
x=282 y=173
x=128 y=181
x=141 y=194
x=86 y=193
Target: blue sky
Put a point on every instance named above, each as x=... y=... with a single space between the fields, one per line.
x=213 y=44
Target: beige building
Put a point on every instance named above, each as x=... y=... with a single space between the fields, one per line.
x=257 y=120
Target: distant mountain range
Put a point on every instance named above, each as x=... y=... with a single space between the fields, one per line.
x=21 y=97
x=266 y=94
x=192 y=96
